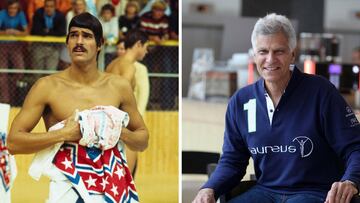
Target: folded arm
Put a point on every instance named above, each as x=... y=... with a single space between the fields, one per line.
x=21 y=140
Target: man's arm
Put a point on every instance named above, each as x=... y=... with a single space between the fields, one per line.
x=233 y=162
x=136 y=135
x=20 y=140
x=342 y=129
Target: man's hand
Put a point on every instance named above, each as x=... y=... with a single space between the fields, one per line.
x=205 y=195
x=72 y=128
x=341 y=192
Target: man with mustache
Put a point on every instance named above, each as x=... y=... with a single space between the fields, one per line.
x=81 y=86
x=302 y=135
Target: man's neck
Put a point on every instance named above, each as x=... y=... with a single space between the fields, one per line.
x=277 y=89
x=130 y=56
x=86 y=74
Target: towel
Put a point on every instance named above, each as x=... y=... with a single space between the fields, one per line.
x=7 y=162
x=96 y=165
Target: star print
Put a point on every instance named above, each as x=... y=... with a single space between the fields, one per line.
x=114 y=190
x=104 y=182
x=90 y=181
x=67 y=163
x=119 y=172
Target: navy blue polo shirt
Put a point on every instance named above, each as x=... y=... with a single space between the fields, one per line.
x=312 y=141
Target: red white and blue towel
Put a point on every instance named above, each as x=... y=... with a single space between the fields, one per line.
x=98 y=170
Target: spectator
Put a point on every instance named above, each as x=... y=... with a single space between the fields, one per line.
x=119 y=5
x=130 y=20
x=48 y=21
x=23 y=5
x=111 y=32
x=33 y=5
x=148 y=7
x=155 y=23
x=12 y=22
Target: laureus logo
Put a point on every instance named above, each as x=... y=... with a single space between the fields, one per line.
x=306 y=145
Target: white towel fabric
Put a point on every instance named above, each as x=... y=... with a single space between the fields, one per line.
x=101 y=128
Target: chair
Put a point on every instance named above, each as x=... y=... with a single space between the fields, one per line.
x=194 y=172
x=243 y=186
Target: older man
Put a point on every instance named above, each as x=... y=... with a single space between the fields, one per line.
x=303 y=137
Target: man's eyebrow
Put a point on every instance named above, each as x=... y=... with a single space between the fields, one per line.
x=87 y=33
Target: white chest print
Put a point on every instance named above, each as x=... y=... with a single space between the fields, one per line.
x=250 y=107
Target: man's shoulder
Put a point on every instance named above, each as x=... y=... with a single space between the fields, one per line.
x=119 y=65
x=316 y=82
x=115 y=79
x=44 y=85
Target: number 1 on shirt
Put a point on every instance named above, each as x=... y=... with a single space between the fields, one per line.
x=250 y=107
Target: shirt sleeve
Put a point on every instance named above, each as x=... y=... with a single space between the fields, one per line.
x=342 y=131
x=235 y=158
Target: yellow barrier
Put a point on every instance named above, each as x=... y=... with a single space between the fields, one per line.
x=157 y=175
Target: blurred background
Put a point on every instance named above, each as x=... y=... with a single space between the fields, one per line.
x=217 y=61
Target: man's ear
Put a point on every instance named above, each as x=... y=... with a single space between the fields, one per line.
x=138 y=44
x=293 y=56
x=102 y=41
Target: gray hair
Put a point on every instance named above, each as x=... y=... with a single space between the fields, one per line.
x=273 y=24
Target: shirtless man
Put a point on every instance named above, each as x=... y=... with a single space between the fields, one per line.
x=126 y=65
x=136 y=49
x=81 y=86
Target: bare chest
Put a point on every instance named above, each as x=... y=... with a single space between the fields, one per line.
x=63 y=103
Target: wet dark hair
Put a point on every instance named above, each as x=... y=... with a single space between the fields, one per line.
x=134 y=36
x=88 y=21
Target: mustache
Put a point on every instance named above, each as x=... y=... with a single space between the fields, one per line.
x=79 y=47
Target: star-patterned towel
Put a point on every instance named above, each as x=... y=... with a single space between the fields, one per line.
x=98 y=170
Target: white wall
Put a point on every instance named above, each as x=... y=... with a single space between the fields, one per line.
x=340 y=15
x=221 y=7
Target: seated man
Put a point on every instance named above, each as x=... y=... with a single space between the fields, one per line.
x=47 y=21
x=81 y=86
x=303 y=137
